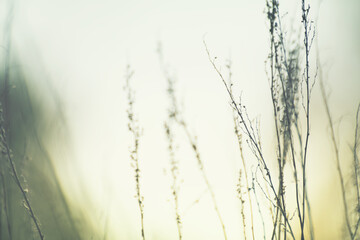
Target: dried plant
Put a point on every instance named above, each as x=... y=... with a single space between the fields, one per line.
x=253 y=187
x=352 y=225
x=238 y=135
x=356 y=176
x=174 y=174
x=253 y=139
x=241 y=198
x=5 y=203
x=285 y=87
x=135 y=130
x=9 y=156
x=176 y=115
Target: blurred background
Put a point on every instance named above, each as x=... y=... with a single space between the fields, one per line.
x=63 y=66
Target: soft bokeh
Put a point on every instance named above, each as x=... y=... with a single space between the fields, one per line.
x=80 y=50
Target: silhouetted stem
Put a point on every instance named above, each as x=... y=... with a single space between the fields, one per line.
x=18 y=183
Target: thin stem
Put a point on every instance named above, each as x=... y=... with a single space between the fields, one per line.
x=17 y=181
x=305 y=21
x=135 y=131
x=6 y=210
x=335 y=146
x=356 y=168
x=204 y=175
x=311 y=225
x=174 y=173
x=252 y=140
x=258 y=205
x=176 y=114
x=240 y=196
x=239 y=139
x=272 y=9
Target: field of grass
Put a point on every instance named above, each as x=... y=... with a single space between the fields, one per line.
x=192 y=120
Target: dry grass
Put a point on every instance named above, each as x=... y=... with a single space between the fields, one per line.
x=262 y=189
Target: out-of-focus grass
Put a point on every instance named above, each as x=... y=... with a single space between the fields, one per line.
x=30 y=122
x=38 y=134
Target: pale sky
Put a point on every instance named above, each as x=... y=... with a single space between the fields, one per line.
x=82 y=47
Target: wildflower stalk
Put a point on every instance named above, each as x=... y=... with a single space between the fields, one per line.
x=272 y=13
x=240 y=196
x=254 y=143
x=258 y=205
x=193 y=144
x=192 y=140
x=308 y=40
x=134 y=128
x=239 y=140
x=335 y=144
x=174 y=173
x=356 y=169
x=337 y=155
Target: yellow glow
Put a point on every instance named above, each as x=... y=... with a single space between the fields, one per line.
x=84 y=47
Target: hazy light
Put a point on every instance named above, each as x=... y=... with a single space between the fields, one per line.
x=83 y=48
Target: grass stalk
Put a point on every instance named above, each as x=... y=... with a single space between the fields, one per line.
x=356 y=169
x=335 y=146
x=248 y=130
x=134 y=129
x=204 y=175
x=242 y=202
x=8 y=154
x=239 y=140
x=177 y=116
x=174 y=174
x=307 y=44
x=6 y=210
